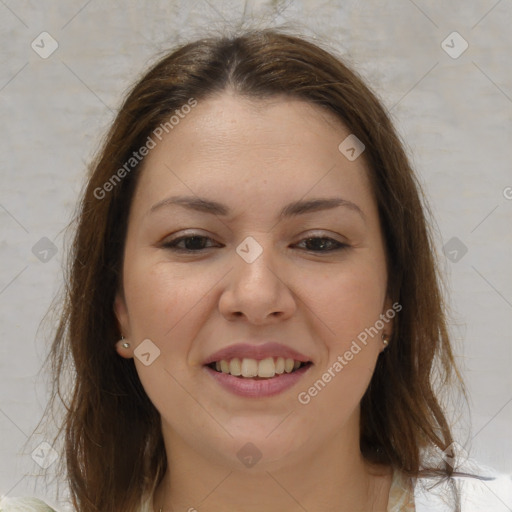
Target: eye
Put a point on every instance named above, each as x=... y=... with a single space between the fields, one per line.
x=193 y=243
x=323 y=244
x=197 y=243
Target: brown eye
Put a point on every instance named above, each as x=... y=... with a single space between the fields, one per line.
x=194 y=243
x=323 y=244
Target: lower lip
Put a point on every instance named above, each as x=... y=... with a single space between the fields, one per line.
x=258 y=388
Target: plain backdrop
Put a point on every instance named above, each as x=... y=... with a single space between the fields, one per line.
x=451 y=104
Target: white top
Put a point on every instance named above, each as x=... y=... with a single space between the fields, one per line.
x=476 y=495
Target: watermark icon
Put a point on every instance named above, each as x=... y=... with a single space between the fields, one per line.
x=304 y=397
x=44 y=455
x=455 y=249
x=147 y=352
x=137 y=156
x=454 y=45
x=454 y=455
x=507 y=193
x=44 y=45
x=249 y=249
x=249 y=455
x=44 y=249
x=351 y=147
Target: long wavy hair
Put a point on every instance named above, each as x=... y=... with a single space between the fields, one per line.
x=110 y=430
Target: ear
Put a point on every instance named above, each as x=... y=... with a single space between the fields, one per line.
x=389 y=311
x=121 y=312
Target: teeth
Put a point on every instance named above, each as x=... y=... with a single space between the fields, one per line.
x=266 y=368
x=235 y=367
x=288 y=365
x=249 y=367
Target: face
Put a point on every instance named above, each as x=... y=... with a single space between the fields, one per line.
x=258 y=271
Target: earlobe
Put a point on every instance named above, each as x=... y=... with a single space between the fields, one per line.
x=124 y=349
x=385 y=341
x=123 y=346
x=388 y=315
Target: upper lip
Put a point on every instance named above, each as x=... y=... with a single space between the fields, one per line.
x=256 y=351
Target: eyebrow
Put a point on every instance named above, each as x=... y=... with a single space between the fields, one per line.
x=293 y=209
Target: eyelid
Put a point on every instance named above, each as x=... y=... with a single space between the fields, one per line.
x=185 y=234
x=319 y=233
x=315 y=235
x=339 y=245
x=310 y=234
x=166 y=243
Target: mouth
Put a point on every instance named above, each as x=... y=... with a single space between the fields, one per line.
x=263 y=369
x=257 y=370
x=257 y=379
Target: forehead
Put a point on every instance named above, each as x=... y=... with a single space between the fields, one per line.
x=247 y=123
x=233 y=145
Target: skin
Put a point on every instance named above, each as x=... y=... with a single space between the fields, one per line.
x=255 y=156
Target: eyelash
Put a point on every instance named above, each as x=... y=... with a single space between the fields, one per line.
x=172 y=244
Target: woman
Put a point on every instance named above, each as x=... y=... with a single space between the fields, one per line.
x=253 y=311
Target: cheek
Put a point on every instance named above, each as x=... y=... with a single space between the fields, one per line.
x=347 y=299
x=337 y=391
x=164 y=301
x=167 y=304
x=161 y=295
x=349 y=304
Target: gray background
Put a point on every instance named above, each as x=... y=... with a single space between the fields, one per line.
x=454 y=114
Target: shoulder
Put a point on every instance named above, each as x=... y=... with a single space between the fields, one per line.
x=490 y=491
x=23 y=505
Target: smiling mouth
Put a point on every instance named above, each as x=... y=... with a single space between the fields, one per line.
x=268 y=368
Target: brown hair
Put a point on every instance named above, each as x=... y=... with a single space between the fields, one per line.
x=113 y=442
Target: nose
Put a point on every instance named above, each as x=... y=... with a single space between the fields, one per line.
x=258 y=290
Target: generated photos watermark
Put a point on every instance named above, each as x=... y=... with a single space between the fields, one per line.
x=143 y=151
x=304 y=397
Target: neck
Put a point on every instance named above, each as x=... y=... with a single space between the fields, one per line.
x=329 y=479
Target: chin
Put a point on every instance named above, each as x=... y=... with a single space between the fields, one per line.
x=263 y=451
